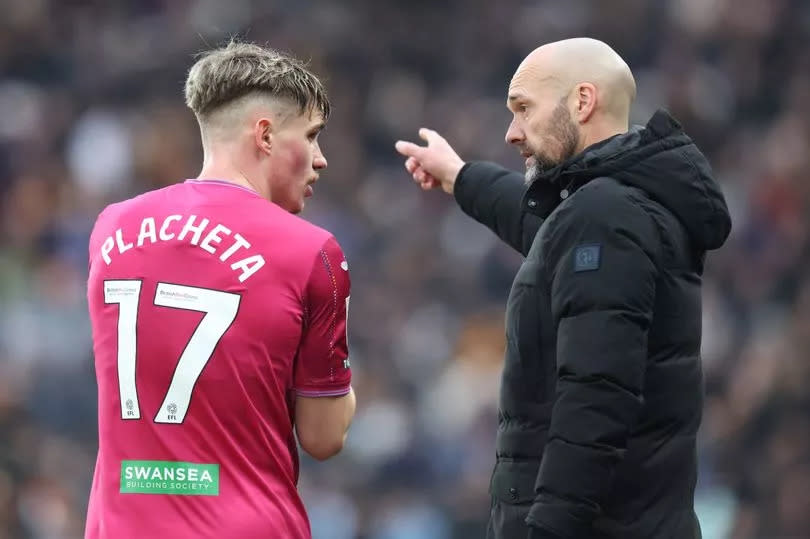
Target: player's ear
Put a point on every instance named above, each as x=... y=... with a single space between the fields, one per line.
x=263 y=134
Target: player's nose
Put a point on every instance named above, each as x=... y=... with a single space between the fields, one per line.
x=318 y=160
x=319 y=163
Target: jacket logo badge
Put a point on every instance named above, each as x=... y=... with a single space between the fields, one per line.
x=587 y=257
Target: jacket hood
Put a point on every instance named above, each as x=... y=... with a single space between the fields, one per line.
x=664 y=162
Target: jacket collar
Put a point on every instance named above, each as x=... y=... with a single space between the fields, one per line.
x=600 y=159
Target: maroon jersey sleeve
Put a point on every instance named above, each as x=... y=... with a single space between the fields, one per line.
x=322 y=366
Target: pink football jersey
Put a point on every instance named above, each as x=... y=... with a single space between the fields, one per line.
x=211 y=309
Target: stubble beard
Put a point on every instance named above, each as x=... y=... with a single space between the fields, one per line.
x=563 y=133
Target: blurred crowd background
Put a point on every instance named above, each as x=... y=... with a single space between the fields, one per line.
x=91 y=111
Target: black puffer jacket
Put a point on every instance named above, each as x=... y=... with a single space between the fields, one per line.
x=602 y=387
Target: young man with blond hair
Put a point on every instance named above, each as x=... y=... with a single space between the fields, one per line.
x=219 y=319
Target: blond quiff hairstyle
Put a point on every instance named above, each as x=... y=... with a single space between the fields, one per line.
x=221 y=76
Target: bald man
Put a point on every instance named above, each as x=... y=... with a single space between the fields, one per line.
x=601 y=393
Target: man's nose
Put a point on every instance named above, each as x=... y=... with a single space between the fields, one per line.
x=514 y=135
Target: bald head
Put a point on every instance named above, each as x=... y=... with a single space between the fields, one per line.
x=564 y=97
x=564 y=64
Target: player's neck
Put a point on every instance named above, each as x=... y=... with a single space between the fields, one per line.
x=228 y=172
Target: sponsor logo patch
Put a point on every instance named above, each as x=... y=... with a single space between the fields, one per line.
x=169 y=477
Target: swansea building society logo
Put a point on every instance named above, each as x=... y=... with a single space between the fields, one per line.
x=169 y=477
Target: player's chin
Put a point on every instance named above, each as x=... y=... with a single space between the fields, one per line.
x=297 y=201
x=297 y=208
x=302 y=200
x=293 y=205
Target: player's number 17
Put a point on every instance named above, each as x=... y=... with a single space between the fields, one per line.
x=220 y=310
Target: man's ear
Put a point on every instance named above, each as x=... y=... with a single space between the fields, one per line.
x=586 y=100
x=263 y=134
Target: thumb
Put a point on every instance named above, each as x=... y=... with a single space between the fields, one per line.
x=408 y=149
x=427 y=134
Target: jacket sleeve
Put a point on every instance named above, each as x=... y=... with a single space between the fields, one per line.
x=492 y=195
x=600 y=252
